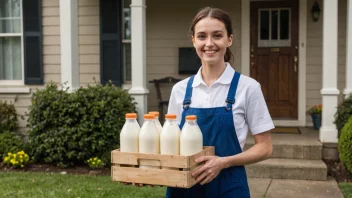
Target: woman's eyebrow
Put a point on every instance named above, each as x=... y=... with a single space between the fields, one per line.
x=216 y=31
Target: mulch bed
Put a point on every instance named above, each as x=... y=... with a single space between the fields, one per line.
x=46 y=168
x=338 y=171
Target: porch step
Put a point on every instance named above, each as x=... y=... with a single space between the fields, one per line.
x=293 y=146
x=289 y=169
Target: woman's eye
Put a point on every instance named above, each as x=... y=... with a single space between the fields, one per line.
x=201 y=36
x=218 y=36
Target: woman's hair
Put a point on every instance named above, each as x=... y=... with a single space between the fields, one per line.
x=220 y=15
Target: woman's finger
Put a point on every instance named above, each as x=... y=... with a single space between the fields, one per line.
x=199 y=171
x=202 y=176
x=208 y=179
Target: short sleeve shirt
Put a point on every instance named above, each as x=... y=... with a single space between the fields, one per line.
x=250 y=112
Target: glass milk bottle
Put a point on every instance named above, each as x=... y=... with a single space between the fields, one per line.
x=170 y=137
x=157 y=122
x=149 y=138
x=191 y=140
x=129 y=136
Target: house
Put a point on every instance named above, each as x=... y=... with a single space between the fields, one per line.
x=299 y=61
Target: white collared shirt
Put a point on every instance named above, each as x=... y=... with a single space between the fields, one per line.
x=249 y=111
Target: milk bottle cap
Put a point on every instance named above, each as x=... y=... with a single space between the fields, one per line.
x=191 y=117
x=170 y=116
x=149 y=116
x=156 y=113
x=131 y=115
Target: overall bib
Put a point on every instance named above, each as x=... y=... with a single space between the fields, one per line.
x=218 y=130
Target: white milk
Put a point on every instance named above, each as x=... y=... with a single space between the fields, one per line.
x=170 y=137
x=191 y=140
x=129 y=136
x=149 y=138
x=157 y=122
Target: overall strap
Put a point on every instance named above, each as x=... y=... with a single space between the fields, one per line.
x=232 y=91
x=188 y=95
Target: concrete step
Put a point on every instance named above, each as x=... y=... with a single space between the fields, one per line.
x=293 y=146
x=289 y=169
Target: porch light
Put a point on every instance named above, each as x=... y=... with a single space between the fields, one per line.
x=315 y=11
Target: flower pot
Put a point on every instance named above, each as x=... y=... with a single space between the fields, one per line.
x=316 y=121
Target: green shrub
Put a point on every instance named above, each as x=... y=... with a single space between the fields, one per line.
x=345 y=145
x=8 y=117
x=68 y=128
x=10 y=142
x=343 y=113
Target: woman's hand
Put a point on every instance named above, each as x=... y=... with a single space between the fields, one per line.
x=209 y=170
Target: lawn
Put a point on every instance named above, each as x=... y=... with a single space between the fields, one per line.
x=346 y=189
x=43 y=185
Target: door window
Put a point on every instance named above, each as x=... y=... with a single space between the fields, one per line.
x=274 y=27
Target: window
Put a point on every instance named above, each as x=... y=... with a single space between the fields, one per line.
x=274 y=27
x=11 y=64
x=126 y=41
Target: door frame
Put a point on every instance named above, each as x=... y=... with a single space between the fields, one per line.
x=302 y=38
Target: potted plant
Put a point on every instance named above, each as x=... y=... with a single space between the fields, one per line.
x=315 y=112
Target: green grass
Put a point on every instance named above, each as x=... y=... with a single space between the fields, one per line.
x=40 y=185
x=346 y=189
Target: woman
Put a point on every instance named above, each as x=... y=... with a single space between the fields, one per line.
x=227 y=105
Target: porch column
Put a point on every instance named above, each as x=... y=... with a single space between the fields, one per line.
x=139 y=61
x=69 y=43
x=329 y=91
x=348 y=88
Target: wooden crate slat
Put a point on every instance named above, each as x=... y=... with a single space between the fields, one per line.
x=122 y=171
x=173 y=161
x=153 y=176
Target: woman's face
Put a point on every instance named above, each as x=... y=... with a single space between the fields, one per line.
x=211 y=40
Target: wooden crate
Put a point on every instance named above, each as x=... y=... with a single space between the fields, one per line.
x=174 y=178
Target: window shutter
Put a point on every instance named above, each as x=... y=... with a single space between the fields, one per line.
x=32 y=35
x=110 y=42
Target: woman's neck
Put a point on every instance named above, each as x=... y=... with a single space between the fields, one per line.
x=210 y=73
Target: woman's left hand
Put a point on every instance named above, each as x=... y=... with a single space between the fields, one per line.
x=209 y=170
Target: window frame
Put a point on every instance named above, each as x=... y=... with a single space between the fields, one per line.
x=124 y=42
x=6 y=35
x=274 y=42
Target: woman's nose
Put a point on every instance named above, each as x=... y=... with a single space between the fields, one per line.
x=209 y=42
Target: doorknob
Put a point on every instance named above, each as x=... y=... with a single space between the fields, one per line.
x=295 y=63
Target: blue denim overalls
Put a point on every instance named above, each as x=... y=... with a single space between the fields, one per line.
x=218 y=130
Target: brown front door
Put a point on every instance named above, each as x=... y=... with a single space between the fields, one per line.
x=274 y=54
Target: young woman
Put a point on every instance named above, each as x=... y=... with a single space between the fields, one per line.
x=227 y=105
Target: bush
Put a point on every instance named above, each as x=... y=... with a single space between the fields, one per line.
x=345 y=145
x=68 y=128
x=9 y=142
x=343 y=113
x=8 y=117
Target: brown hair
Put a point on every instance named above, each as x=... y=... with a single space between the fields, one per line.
x=220 y=15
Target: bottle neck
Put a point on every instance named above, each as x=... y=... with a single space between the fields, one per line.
x=170 y=120
x=191 y=121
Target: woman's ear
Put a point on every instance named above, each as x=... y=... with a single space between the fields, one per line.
x=230 y=40
x=194 y=45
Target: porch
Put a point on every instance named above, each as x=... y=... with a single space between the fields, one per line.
x=295 y=156
x=158 y=30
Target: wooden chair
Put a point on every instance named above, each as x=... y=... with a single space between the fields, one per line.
x=163 y=102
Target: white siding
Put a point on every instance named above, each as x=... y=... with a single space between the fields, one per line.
x=168 y=29
x=89 y=43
